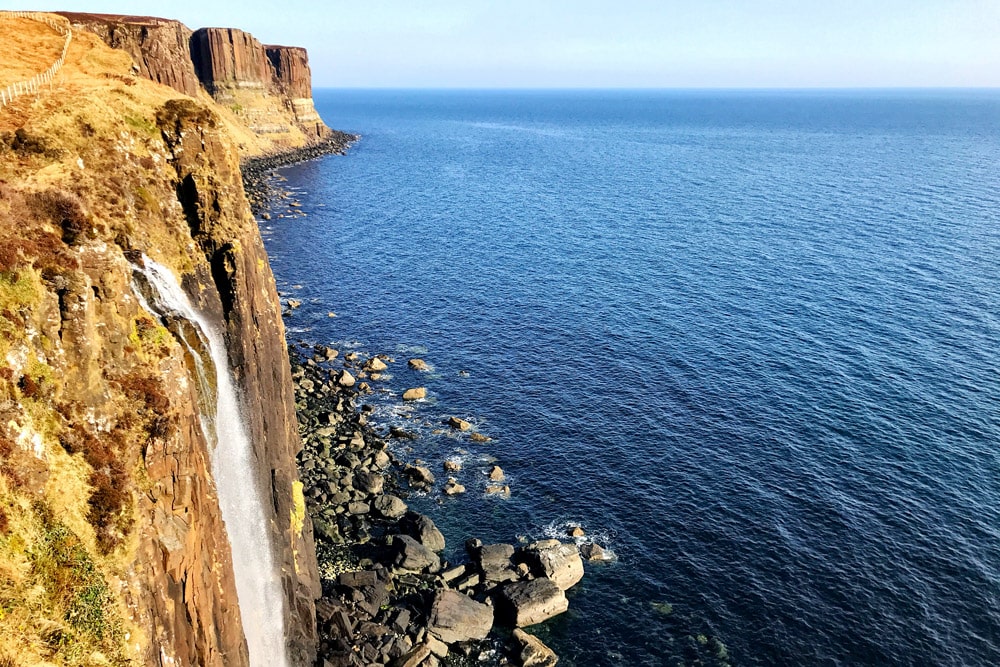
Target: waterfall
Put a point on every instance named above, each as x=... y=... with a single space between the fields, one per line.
x=258 y=584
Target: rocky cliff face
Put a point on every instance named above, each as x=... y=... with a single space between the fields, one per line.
x=159 y=48
x=112 y=546
x=268 y=88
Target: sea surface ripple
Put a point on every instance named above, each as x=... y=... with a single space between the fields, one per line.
x=748 y=340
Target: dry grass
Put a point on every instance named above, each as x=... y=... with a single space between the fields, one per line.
x=30 y=48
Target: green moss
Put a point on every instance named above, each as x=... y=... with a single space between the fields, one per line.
x=19 y=289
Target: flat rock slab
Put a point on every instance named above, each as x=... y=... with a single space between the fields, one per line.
x=458 y=618
x=526 y=603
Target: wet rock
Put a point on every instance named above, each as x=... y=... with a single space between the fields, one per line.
x=452 y=487
x=402 y=434
x=459 y=424
x=415 y=394
x=330 y=353
x=532 y=652
x=593 y=551
x=457 y=618
x=525 y=603
x=390 y=506
x=419 y=476
x=375 y=365
x=496 y=474
x=561 y=563
x=452 y=466
x=345 y=379
x=294 y=303
x=418 y=365
x=412 y=555
x=498 y=490
x=575 y=531
x=479 y=437
x=352 y=357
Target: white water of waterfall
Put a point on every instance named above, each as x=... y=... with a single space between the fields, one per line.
x=258 y=584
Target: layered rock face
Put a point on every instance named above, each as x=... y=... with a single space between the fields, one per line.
x=226 y=58
x=103 y=463
x=160 y=48
x=268 y=87
x=291 y=73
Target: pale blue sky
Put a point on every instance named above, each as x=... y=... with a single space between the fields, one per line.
x=604 y=43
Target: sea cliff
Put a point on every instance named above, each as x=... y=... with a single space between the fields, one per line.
x=112 y=546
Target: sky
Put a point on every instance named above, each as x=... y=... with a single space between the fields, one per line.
x=611 y=43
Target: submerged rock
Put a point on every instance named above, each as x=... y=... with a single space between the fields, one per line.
x=418 y=365
x=459 y=424
x=533 y=652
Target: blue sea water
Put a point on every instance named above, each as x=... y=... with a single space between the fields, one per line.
x=747 y=340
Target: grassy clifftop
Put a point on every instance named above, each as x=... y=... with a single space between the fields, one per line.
x=112 y=550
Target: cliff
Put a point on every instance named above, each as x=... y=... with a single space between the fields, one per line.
x=267 y=89
x=112 y=546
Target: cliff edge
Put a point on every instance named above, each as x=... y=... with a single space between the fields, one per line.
x=112 y=545
x=267 y=89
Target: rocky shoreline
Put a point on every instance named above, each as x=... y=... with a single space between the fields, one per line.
x=388 y=596
x=257 y=171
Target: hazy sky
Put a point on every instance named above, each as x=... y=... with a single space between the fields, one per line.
x=605 y=43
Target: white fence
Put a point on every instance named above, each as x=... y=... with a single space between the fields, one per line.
x=35 y=83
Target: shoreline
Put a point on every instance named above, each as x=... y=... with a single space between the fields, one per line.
x=258 y=171
x=389 y=598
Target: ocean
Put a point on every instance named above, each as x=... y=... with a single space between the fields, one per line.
x=747 y=340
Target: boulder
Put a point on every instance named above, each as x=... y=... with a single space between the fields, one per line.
x=416 y=657
x=524 y=603
x=422 y=528
x=494 y=561
x=479 y=437
x=419 y=476
x=532 y=652
x=375 y=365
x=452 y=466
x=593 y=551
x=415 y=394
x=358 y=508
x=498 y=490
x=418 y=365
x=390 y=506
x=559 y=562
x=369 y=482
x=412 y=555
x=496 y=474
x=457 y=618
x=459 y=424
x=575 y=531
x=401 y=433
x=345 y=379
x=452 y=487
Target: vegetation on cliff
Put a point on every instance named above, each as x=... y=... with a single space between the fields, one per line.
x=112 y=550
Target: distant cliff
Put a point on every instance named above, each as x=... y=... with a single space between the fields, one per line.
x=269 y=88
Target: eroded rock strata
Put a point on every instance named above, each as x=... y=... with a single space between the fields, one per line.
x=112 y=545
